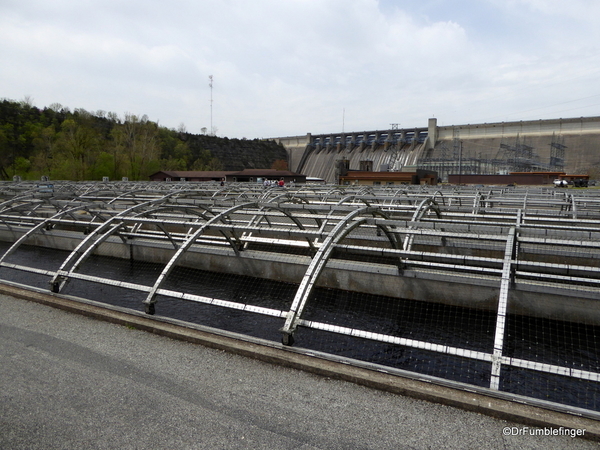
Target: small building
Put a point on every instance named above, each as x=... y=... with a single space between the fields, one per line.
x=246 y=175
x=188 y=175
x=368 y=178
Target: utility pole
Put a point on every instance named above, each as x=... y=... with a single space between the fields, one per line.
x=210 y=77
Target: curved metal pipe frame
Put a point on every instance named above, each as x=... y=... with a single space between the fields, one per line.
x=425 y=206
x=44 y=225
x=91 y=242
x=558 y=224
x=316 y=266
x=151 y=298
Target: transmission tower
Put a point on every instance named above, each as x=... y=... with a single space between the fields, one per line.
x=520 y=157
x=557 y=153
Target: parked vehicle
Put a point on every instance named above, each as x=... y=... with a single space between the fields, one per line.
x=561 y=183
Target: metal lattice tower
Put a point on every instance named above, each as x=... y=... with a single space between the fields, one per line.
x=557 y=152
x=519 y=157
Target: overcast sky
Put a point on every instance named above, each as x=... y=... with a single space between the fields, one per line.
x=289 y=67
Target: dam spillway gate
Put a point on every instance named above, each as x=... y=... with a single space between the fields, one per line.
x=495 y=288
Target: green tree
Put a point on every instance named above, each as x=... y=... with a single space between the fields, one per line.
x=206 y=161
x=136 y=146
x=45 y=148
x=78 y=144
x=6 y=149
x=104 y=167
x=180 y=159
x=22 y=166
x=76 y=147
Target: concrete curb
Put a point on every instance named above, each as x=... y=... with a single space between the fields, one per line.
x=276 y=353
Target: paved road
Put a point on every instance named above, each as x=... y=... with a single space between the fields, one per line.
x=71 y=382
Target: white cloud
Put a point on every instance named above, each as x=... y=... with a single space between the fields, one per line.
x=577 y=9
x=291 y=67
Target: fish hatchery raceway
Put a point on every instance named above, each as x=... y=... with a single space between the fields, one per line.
x=483 y=298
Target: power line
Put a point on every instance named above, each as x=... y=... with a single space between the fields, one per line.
x=547 y=106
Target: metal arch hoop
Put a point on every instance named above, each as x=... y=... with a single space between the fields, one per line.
x=151 y=298
x=478 y=202
x=332 y=191
x=42 y=225
x=352 y=197
x=173 y=208
x=91 y=242
x=256 y=219
x=435 y=194
x=21 y=198
x=423 y=207
x=125 y=195
x=510 y=259
x=316 y=266
x=21 y=203
x=326 y=221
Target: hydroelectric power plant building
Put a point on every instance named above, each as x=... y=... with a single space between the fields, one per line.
x=570 y=145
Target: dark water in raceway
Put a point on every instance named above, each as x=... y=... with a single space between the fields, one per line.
x=562 y=343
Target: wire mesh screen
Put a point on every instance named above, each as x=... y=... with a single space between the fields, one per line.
x=498 y=289
x=562 y=339
x=420 y=325
x=558 y=343
x=42 y=262
x=109 y=278
x=236 y=303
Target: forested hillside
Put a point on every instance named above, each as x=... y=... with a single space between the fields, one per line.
x=82 y=145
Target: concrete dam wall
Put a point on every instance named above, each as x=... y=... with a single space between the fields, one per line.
x=571 y=145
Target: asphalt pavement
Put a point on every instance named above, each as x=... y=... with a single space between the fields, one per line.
x=72 y=382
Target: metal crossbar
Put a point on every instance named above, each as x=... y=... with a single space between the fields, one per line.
x=517 y=248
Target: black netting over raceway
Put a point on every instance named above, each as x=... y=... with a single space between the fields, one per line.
x=493 y=288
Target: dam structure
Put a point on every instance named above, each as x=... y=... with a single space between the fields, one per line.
x=495 y=291
x=558 y=145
